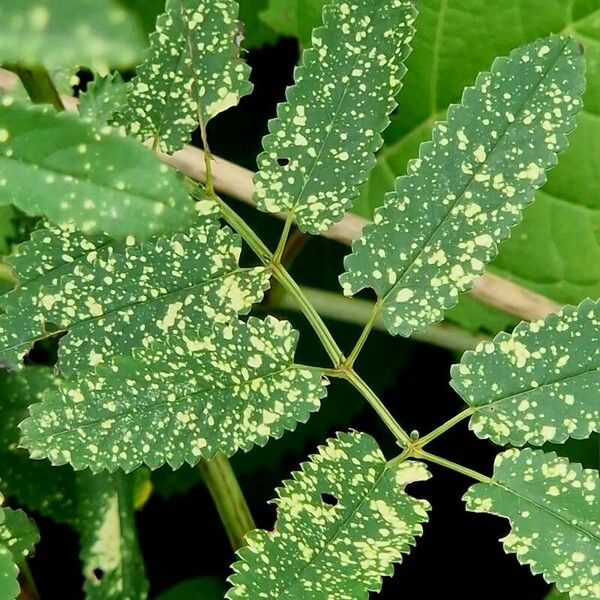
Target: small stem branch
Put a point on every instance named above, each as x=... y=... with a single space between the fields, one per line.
x=384 y=414
x=284 y=278
x=426 y=439
x=364 y=335
x=293 y=289
x=244 y=230
x=283 y=240
x=39 y=86
x=228 y=498
x=438 y=460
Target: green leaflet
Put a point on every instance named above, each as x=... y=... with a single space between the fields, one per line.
x=193 y=72
x=540 y=383
x=82 y=501
x=342 y=522
x=99 y=180
x=9 y=586
x=179 y=400
x=35 y=484
x=321 y=146
x=442 y=223
x=104 y=96
x=18 y=533
x=293 y=18
x=112 y=299
x=556 y=249
x=18 y=536
x=113 y=566
x=42 y=260
x=553 y=508
x=100 y=33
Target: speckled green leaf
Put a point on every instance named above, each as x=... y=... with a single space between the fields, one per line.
x=539 y=384
x=342 y=523
x=193 y=73
x=99 y=180
x=553 y=509
x=179 y=400
x=556 y=248
x=104 y=96
x=436 y=231
x=321 y=146
x=18 y=533
x=113 y=567
x=9 y=586
x=36 y=485
x=113 y=298
x=94 y=33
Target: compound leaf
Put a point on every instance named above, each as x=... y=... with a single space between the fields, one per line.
x=113 y=567
x=538 y=384
x=321 y=146
x=34 y=484
x=193 y=73
x=96 y=34
x=114 y=298
x=179 y=400
x=74 y=172
x=436 y=231
x=552 y=505
x=342 y=522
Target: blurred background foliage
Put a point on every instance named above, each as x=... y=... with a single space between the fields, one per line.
x=555 y=251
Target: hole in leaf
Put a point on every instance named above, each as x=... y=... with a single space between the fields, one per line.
x=283 y=162
x=98 y=573
x=329 y=499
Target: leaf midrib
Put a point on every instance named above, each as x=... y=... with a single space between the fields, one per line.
x=133 y=304
x=536 y=502
x=531 y=389
x=157 y=406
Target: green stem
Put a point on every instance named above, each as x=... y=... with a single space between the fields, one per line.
x=245 y=231
x=39 y=86
x=426 y=439
x=283 y=240
x=357 y=311
x=284 y=278
x=452 y=466
x=228 y=498
x=293 y=289
x=364 y=335
x=384 y=414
